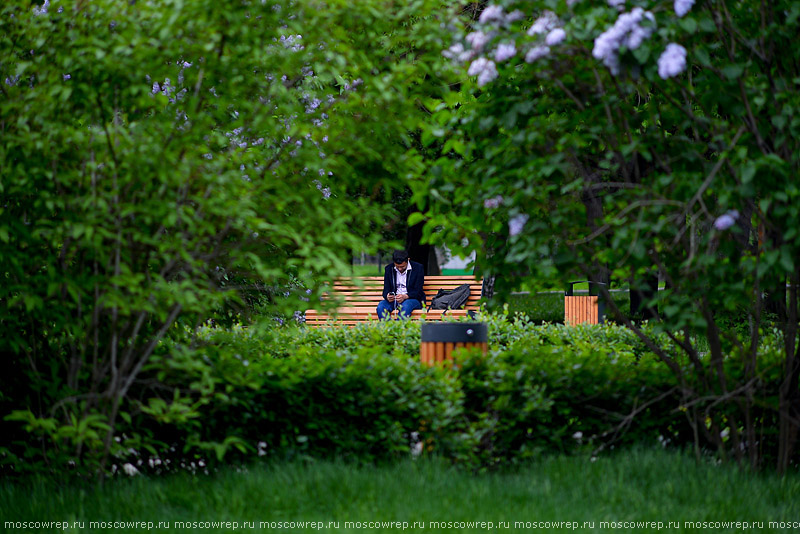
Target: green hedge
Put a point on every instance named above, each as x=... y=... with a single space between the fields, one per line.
x=361 y=393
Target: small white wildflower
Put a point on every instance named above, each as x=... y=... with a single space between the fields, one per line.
x=577 y=435
x=619 y=4
x=42 y=10
x=66 y=77
x=536 y=52
x=491 y=13
x=555 y=36
x=505 y=51
x=682 y=7
x=516 y=224
x=672 y=62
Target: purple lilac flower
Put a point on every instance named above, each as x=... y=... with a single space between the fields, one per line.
x=478 y=40
x=516 y=224
x=555 y=37
x=493 y=202
x=491 y=13
x=514 y=16
x=725 y=221
x=672 y=62
x=536 y=52
x=505 y=51
x=682 y=7
x=544 y=24
x=626 y=31
x=484 y=69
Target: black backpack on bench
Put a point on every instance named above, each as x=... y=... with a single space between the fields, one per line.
x=450 y=299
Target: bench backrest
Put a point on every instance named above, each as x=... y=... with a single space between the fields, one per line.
x=371 y=290
x=361 y=295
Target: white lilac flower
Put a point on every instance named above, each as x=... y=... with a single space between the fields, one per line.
x=723 y=222
x=516 y=224
x=484 y=69
x=619 y=4
x=627 y=31
x=555 y=36
x=66 y=77
x=491 y=13
x=544 y=24
x=478 y=40
x=682 y=7
x=493 y=202
x=672 y=62
x=130 y=470
x=536 y=52
x=156 y=88
x=504 y=51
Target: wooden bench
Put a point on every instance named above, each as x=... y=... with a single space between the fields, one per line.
x=359 y=303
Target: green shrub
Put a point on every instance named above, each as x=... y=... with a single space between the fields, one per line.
x=361 y=393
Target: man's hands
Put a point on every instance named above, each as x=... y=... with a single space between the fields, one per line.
x=396 y=298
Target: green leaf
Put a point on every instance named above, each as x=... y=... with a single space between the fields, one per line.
x=732 y=72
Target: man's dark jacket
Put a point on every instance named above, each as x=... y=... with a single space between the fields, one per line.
x=413 y=283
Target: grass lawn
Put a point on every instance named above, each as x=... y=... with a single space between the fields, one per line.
x=634 y=486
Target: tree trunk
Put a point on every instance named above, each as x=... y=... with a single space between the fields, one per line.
x=643 y=290
x=424 y=254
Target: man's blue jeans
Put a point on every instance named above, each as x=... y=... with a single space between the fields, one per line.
x=385 y=308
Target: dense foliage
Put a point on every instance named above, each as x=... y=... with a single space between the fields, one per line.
x=362 y=394
x=162 y=160
x=631 y=141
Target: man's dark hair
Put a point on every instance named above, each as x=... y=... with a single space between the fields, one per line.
x=399 y=256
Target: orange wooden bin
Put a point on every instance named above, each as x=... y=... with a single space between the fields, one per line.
x=583 y=308
x=439 y=340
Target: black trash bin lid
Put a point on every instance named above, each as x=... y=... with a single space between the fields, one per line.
x=455 y=333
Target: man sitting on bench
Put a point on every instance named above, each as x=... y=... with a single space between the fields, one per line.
x=402 y=287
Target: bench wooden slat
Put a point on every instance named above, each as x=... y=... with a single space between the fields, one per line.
x=361 y=296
